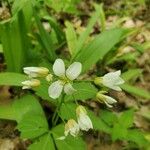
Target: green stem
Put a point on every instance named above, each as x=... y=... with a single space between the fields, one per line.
x=56 y=116
x=84 y=80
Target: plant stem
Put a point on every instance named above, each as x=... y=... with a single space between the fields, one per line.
x=56 y=116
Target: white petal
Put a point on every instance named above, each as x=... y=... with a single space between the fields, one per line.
x=112 y=80
x=75 y=130
x=31 y=71
x=26 y=87
x=68 y=89
x=110 y=100
x=117 y=88
x=120 y=81
x=74 y=70
x=59 y=68
x=85 y=122
x=108 y=105
x=55 y=89
x=36 y=71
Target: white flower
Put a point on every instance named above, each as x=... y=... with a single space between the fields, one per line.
x=65 y=78
x=28 y=84
x=111 y=80
x=84 y=121
x=33 y=72
x=71 y=127
x=105 y=99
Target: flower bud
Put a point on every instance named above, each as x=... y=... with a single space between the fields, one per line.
x=105 y=99
x=36 y=71
x=28 y=84
x=111 y=80
x=49 y=77
x=84 y=121
x=71 y=127
x=98 y=80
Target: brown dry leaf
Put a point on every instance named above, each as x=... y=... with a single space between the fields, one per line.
x=6 y=144
x=4 y=95
x=141 y=122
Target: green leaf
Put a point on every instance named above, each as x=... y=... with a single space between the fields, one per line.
x=68 y=111
x=30 y=117
x=32 y=125
x=85 y=90
x=83 y=37
x=20 y=107
x=118 y=132
x=45 y=39
x=25 y=105
x=13 y=34
x=131 y=74
x=102 y=17
x=7 y=112
x=137 y=137
x=97 y=48
x=58 y=30
x=136 y=91
x=12 y=79
x=71 y=37
x=44 y=142
x=126 y=119
x=18 y=5
x=108 y=117
x=98 y=123
x=70 y=143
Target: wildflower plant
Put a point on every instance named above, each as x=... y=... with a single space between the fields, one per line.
x=62 y=84
x=51 y=109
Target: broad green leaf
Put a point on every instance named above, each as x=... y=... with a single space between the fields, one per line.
x=71 y=37
x=12 y=79
x=25 y=105
x=44 y=142
x=126 y=118
x=7 y=112
x=131 y=74
x=20 y=107
x=13 y=34
x=135 y=91
x=98 y=123
x=45 y=39
x=118 y=132
x=85 y=90
x=108 y=117
x=32 y=125
x=58 y=30
x=68 y=111
x=18 y=5
x=137 y=137
x=97 y=48
x=70 y=143
x=83 y=37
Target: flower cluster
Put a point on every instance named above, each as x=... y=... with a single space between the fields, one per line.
x=62 y=81
x=34 y=72
x=83 y=123
x=111 y=80
x=64 y=77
